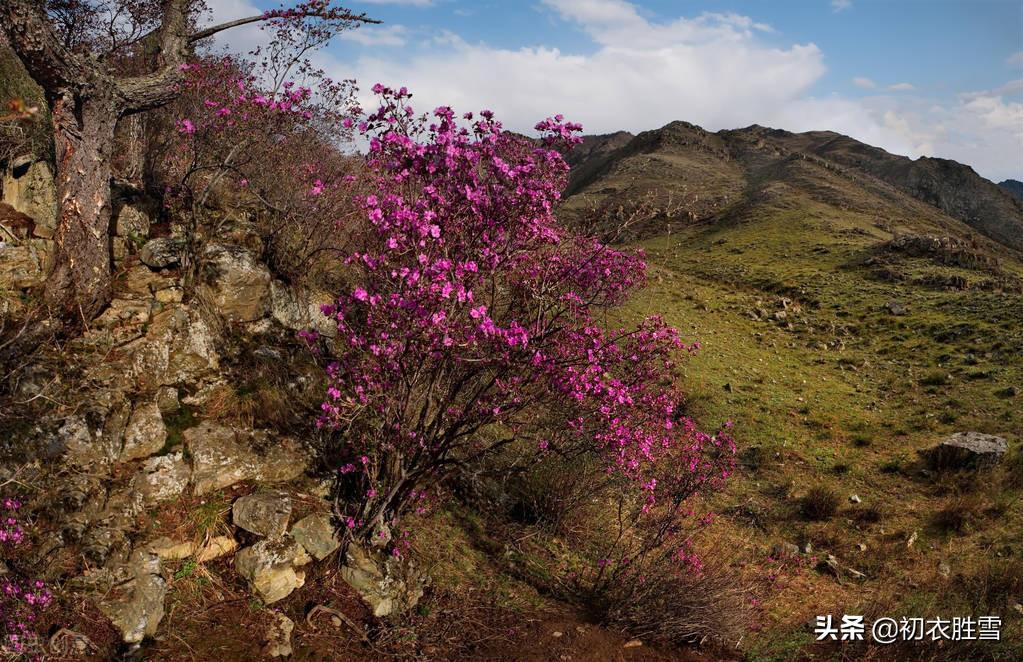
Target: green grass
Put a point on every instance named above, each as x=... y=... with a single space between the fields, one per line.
x=840 y=391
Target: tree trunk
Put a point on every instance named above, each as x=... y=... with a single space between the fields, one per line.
x=83 y=130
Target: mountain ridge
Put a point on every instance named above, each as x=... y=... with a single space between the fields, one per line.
x=717 y=170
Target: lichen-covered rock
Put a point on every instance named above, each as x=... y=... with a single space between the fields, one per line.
x=145 y=433
x=317 y=535
x=235 y=282
x=222 y=456
x=299 y=311
x=135 y=607
x=265 y=513
x=161 y=253
x=28 y=187
x=389 y=585
x=162 y=478
x=270 y=566
x=278 y=636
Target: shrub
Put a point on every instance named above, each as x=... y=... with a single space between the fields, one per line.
x=820 y=503
x=661 y=601
x=470 y=323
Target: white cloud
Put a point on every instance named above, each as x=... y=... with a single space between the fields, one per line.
x=902 y=87
x=864 y=83
x=376 y=35
x=715 y=70
x=841 y=5
x=710 y=69
x=1015 y=60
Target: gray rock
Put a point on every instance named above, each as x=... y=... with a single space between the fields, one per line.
x=270 y=567
x=388 y=584
x=145 y=433
x=317 y=535
x=896 y=308
x=264 y=513
x=161 y=253
x=133 y=221
x=298 y=311
x=162 y=478
x=965 y=450
x=785 y=550
x=135 y=607
x=222 y=457
x=235 y=282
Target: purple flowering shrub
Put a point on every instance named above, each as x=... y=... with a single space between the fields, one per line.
x=473 y=321
x=20 y=600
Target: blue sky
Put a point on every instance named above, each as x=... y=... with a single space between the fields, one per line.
x=917 y=77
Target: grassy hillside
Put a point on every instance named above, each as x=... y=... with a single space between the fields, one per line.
x=840 y=351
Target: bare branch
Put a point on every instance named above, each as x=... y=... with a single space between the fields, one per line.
x=210 y=31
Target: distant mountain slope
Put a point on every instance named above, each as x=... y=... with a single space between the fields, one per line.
x=715 y=174
x=1013 y=186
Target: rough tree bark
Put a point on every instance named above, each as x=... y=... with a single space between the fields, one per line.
x=87 y=99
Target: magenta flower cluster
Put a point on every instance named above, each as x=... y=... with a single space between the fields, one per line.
x=471 y=323
x=20 y=601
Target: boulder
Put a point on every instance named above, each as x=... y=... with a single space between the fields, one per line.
x=222 y=457
x=388 y=584
x=235 y=282
x=317 y=535
x=145 y=434
x=161 y=253
x=270 y=566
x=135 y=607
x=264 y=513
x=968 y=450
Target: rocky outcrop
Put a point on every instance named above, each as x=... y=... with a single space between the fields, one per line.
x=235 y=282
x=135 y=606
x=223 y=456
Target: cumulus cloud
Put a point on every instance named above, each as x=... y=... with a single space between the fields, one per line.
x=711 y=69
x=841 y=5
x=864 y=83
x=718 y=70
